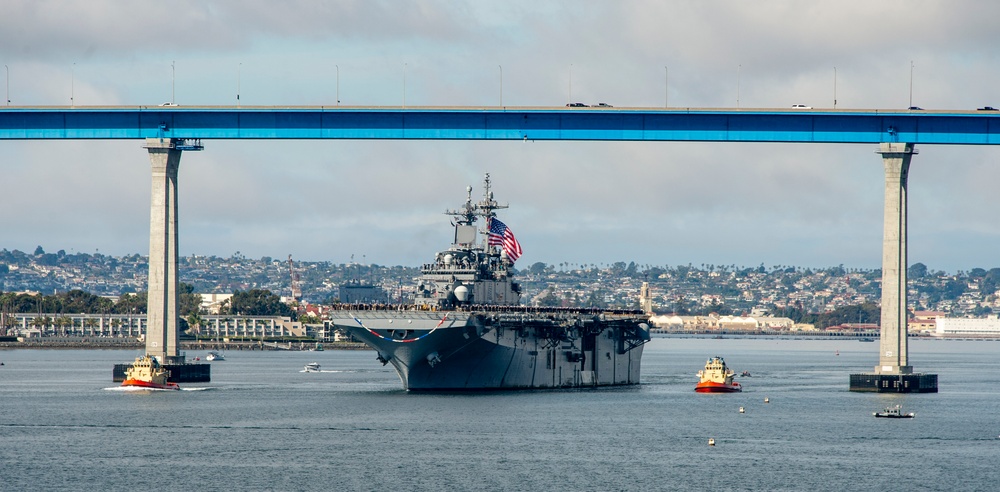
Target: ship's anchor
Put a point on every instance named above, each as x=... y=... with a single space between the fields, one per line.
x=381 y=359
x=433 y=359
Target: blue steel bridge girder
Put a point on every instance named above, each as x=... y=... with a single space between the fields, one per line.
x=614 y=124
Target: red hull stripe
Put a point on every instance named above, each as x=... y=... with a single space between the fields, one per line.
x=147 y=384
x=710 y=387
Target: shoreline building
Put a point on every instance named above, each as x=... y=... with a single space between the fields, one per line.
x=727 y=323
x=988 y=327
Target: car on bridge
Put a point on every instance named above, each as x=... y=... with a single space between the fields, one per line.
x=576 y=105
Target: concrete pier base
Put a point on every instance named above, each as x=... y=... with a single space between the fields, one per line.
x=894 y=383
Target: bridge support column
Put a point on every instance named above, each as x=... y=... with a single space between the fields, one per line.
x=162 y=328
x=893 y=373
x=893 y=348
x=162 y=324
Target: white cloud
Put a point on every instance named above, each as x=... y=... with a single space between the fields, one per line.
x=570 y=201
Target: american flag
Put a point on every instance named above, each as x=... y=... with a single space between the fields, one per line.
x=501 y=235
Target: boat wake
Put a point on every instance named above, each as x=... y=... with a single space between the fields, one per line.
x=324 y=370
x=142 y=389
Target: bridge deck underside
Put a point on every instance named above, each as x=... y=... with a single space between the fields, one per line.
x=955 y=128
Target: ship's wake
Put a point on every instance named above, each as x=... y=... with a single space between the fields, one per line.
x=142 y=389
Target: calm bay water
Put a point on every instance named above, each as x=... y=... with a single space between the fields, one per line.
x=262 y=424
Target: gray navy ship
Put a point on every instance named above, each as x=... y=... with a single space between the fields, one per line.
x=466 y=328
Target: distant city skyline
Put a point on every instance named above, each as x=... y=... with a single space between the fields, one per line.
x=678 y=288
x=582 y=202
x=561 y=266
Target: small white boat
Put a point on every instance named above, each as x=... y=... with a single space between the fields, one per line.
x=214 y=356
x=895 y=412
x=312 y=367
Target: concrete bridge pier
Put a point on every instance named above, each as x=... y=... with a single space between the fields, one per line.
x=162 y=329
x=162 y=326
x=893 y=373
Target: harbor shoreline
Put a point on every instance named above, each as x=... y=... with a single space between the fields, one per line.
x=98 y=343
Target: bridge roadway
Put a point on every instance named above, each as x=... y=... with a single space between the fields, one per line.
x=948 y=127
x=167 y=131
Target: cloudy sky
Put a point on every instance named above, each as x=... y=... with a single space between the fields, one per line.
x=578 y=202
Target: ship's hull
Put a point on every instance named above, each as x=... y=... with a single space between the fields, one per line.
x=484 y=350
x=138 y=383
x=713 y=387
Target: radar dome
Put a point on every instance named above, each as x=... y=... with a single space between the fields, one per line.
x=462 y=293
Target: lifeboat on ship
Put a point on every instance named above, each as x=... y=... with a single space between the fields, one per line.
x=717 y=378
x=146 y=372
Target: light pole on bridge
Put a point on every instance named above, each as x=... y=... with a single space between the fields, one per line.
x=501 y=85
x=738 y=69
x=834 y=87
x=911 y=85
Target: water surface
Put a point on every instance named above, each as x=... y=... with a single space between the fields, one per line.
x=263 y=424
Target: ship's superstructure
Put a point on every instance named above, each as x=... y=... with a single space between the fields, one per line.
x=466 y=328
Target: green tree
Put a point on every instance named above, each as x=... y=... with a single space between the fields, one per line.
x=859 y=313
x=78 y=301
x=62 y=322
x=89 y=324
x=549 y=299
x=259 y=302
x=991 y=281
x=917 y=270
x=596 y=299
x=194 y=321
x=131 y=304
x=537 y=268
x=187 y=301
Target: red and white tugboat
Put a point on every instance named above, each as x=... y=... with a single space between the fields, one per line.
x=146 y=372
x=717 y=378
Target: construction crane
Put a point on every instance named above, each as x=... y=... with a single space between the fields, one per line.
x=296 y=290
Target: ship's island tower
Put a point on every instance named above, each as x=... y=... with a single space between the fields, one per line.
x=894 y=374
